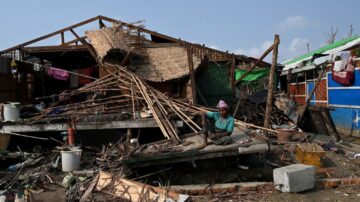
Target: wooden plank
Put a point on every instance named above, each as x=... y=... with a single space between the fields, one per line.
x=202 y=189
x=41 y=49
x=135 y=191
x=139 y=123
x=192 y=155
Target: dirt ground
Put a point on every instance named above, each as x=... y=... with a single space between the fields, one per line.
x=348 y=193
x=340 y=164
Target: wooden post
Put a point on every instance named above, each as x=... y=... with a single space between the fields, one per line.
x=101 y=24
x=192 y=76
x=302 y=113
x=62 y=38
x=271 y=83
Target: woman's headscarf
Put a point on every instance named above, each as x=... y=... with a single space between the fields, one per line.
x=222 y=104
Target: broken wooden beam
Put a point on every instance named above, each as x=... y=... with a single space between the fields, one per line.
x=269 y=101
x=203 y=189
x=135 y=191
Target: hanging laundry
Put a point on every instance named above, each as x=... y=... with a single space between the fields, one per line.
x=59 y=74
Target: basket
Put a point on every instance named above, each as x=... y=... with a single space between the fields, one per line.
x=310 y=154
x=4 y=141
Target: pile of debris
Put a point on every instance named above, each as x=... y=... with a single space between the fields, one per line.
x=123 y=92
x=113 y=172
x=252 y=110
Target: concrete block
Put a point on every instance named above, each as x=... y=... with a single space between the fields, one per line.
x=294 y=178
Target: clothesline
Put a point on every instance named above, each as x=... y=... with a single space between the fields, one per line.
x=70 y=72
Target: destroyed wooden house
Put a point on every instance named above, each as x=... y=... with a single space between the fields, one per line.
x=166 y=66
x=131 y=100
x=78 y=84
x=338 y=88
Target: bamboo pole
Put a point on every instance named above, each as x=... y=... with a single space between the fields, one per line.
x=21 y=135
x=132 y=100
x=249 y=125
x=180 y=114
x=148 y=102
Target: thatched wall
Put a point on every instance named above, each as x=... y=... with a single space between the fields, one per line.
x=153 y=64
x=165 y=63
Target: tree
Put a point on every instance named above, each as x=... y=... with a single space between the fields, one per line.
x=332 y=35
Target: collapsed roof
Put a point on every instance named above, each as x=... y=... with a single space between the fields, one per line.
x=155 y=64
x=73 y=51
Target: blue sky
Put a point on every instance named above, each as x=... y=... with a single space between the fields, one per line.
x=244 y=27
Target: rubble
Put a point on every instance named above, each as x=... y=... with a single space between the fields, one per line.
x=144 y=167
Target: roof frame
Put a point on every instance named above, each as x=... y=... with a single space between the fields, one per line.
x=198 y=50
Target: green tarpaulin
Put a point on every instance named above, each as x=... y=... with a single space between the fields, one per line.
x=253 y=76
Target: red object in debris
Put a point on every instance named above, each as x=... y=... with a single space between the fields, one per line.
x=71 y=136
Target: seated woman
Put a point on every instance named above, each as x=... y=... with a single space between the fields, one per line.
x=218 y=126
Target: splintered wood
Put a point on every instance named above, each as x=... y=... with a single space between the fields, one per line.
x=135 y=191
x=122 y=91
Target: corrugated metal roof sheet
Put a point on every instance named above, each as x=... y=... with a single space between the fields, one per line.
x=329 y=49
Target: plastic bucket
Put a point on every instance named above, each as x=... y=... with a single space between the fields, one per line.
x=70 y=160
x=11 y=112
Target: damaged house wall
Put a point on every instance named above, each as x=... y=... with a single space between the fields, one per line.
x=301 y=72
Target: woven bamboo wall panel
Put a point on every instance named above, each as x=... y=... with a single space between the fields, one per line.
x=297 y=89
x=321 y=91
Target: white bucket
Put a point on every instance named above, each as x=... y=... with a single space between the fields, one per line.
x=11 y=112
x=70 y=160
